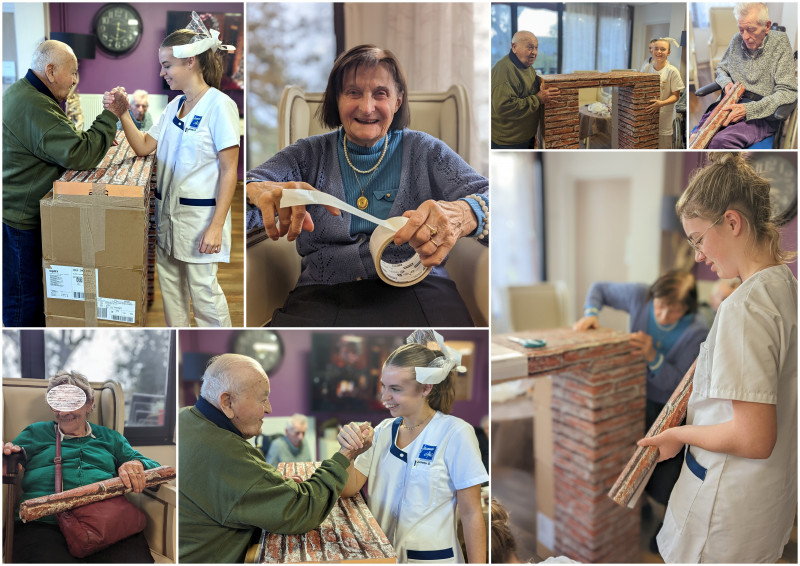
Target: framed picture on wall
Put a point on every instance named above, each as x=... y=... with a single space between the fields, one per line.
x=231 y=32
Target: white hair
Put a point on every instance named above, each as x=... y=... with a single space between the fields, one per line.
x=228 y=373
x=296 y=421
x=47 y=52
x=743 y=8
x=139 y=93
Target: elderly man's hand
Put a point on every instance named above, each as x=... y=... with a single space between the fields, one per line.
x=132 y=475
x=435 y=227
x=547 y=94
x=266 y=195
x=729 y=87
x=738 y=112
x=355 y=438
x=116 y=101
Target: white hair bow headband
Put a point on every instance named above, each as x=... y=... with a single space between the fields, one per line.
x=669 y=39
x=440 y=367
x=203 y=41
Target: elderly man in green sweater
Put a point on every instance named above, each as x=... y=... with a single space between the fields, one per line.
x=39 y=144
x=518 y=95
x=227 y=491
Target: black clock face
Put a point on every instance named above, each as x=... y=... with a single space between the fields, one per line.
x=118 y=28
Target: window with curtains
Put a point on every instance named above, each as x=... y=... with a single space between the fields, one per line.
x=141 y=361
x=517 y=189
x=287 y=44
x=572 y=36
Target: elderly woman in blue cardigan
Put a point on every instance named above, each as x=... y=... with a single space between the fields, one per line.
x=371 y=161
x=667 y=331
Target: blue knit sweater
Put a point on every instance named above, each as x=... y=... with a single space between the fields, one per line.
x=331 y=254
x=632 y=298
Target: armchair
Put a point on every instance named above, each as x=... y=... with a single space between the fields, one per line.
x=274 y=267
x=24 y=403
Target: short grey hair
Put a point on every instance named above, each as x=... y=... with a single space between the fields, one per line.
x=47 y=52
x=79 y=380
x=139 y=93
x=224 y=374
x=743 y=8
x=297 y=420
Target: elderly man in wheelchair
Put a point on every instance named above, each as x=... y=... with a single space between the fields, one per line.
x=761 y=59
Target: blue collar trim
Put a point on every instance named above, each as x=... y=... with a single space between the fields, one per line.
x=39 y=85
x=216 y=416
x=393 y=449
x=175 y=120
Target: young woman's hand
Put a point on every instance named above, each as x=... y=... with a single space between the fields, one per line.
x=211 y=242
x=668 y=446
x=355 y=438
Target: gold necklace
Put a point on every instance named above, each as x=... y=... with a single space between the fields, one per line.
x=362 y=201
x=405 y=426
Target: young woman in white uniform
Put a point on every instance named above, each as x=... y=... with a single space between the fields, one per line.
x=197 y=144
x=736 y=497
x=671 y=87
x=423 y=463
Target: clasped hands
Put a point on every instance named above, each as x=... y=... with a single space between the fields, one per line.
x=116 y=100
x=355 y=439
x=432 y=229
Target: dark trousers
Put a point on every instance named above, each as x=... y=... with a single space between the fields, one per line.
x=23 y=290
x=741 y=134
x=39 y=542
x=666 y=473
x=433 y=302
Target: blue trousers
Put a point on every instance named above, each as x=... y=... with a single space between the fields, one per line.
x=23 y=290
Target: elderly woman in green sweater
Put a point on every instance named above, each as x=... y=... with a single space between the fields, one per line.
x=89 y=453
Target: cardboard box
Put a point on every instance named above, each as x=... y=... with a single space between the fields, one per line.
x=94 y=242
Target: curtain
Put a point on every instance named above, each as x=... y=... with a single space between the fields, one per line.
x=613 y=40
x=580 y=37
x=438 y=45
x=596 y=37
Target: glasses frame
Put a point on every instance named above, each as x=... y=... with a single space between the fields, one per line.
x=699 y=242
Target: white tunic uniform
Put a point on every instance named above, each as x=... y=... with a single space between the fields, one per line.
x=726 y=508
x=412 y=492
x=188 y=174
x=671 y=81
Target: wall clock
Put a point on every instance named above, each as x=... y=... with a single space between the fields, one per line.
x=265 y=346
x=118 y=28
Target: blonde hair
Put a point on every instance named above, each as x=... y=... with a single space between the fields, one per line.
x=210 y=62
x=728 y=182
x=442 y=394
x=504 y=547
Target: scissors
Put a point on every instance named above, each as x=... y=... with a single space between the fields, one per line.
x=529 y=342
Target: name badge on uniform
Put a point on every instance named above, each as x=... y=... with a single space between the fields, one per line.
x=426 y=455
x=195 y=123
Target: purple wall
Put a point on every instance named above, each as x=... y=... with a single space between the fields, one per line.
x=788 y=231
x=140 y=68
x=290 y=380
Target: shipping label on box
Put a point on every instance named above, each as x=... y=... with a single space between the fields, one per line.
x=67 y=282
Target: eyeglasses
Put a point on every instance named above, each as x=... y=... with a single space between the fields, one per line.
x=699 y=242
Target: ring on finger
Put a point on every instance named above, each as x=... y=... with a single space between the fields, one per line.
x=432 y=230
x=435 y=243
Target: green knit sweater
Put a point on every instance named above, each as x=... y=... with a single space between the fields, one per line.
x=516 y=110
x=85 y=460
x=227 y=491
x=39 y=144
